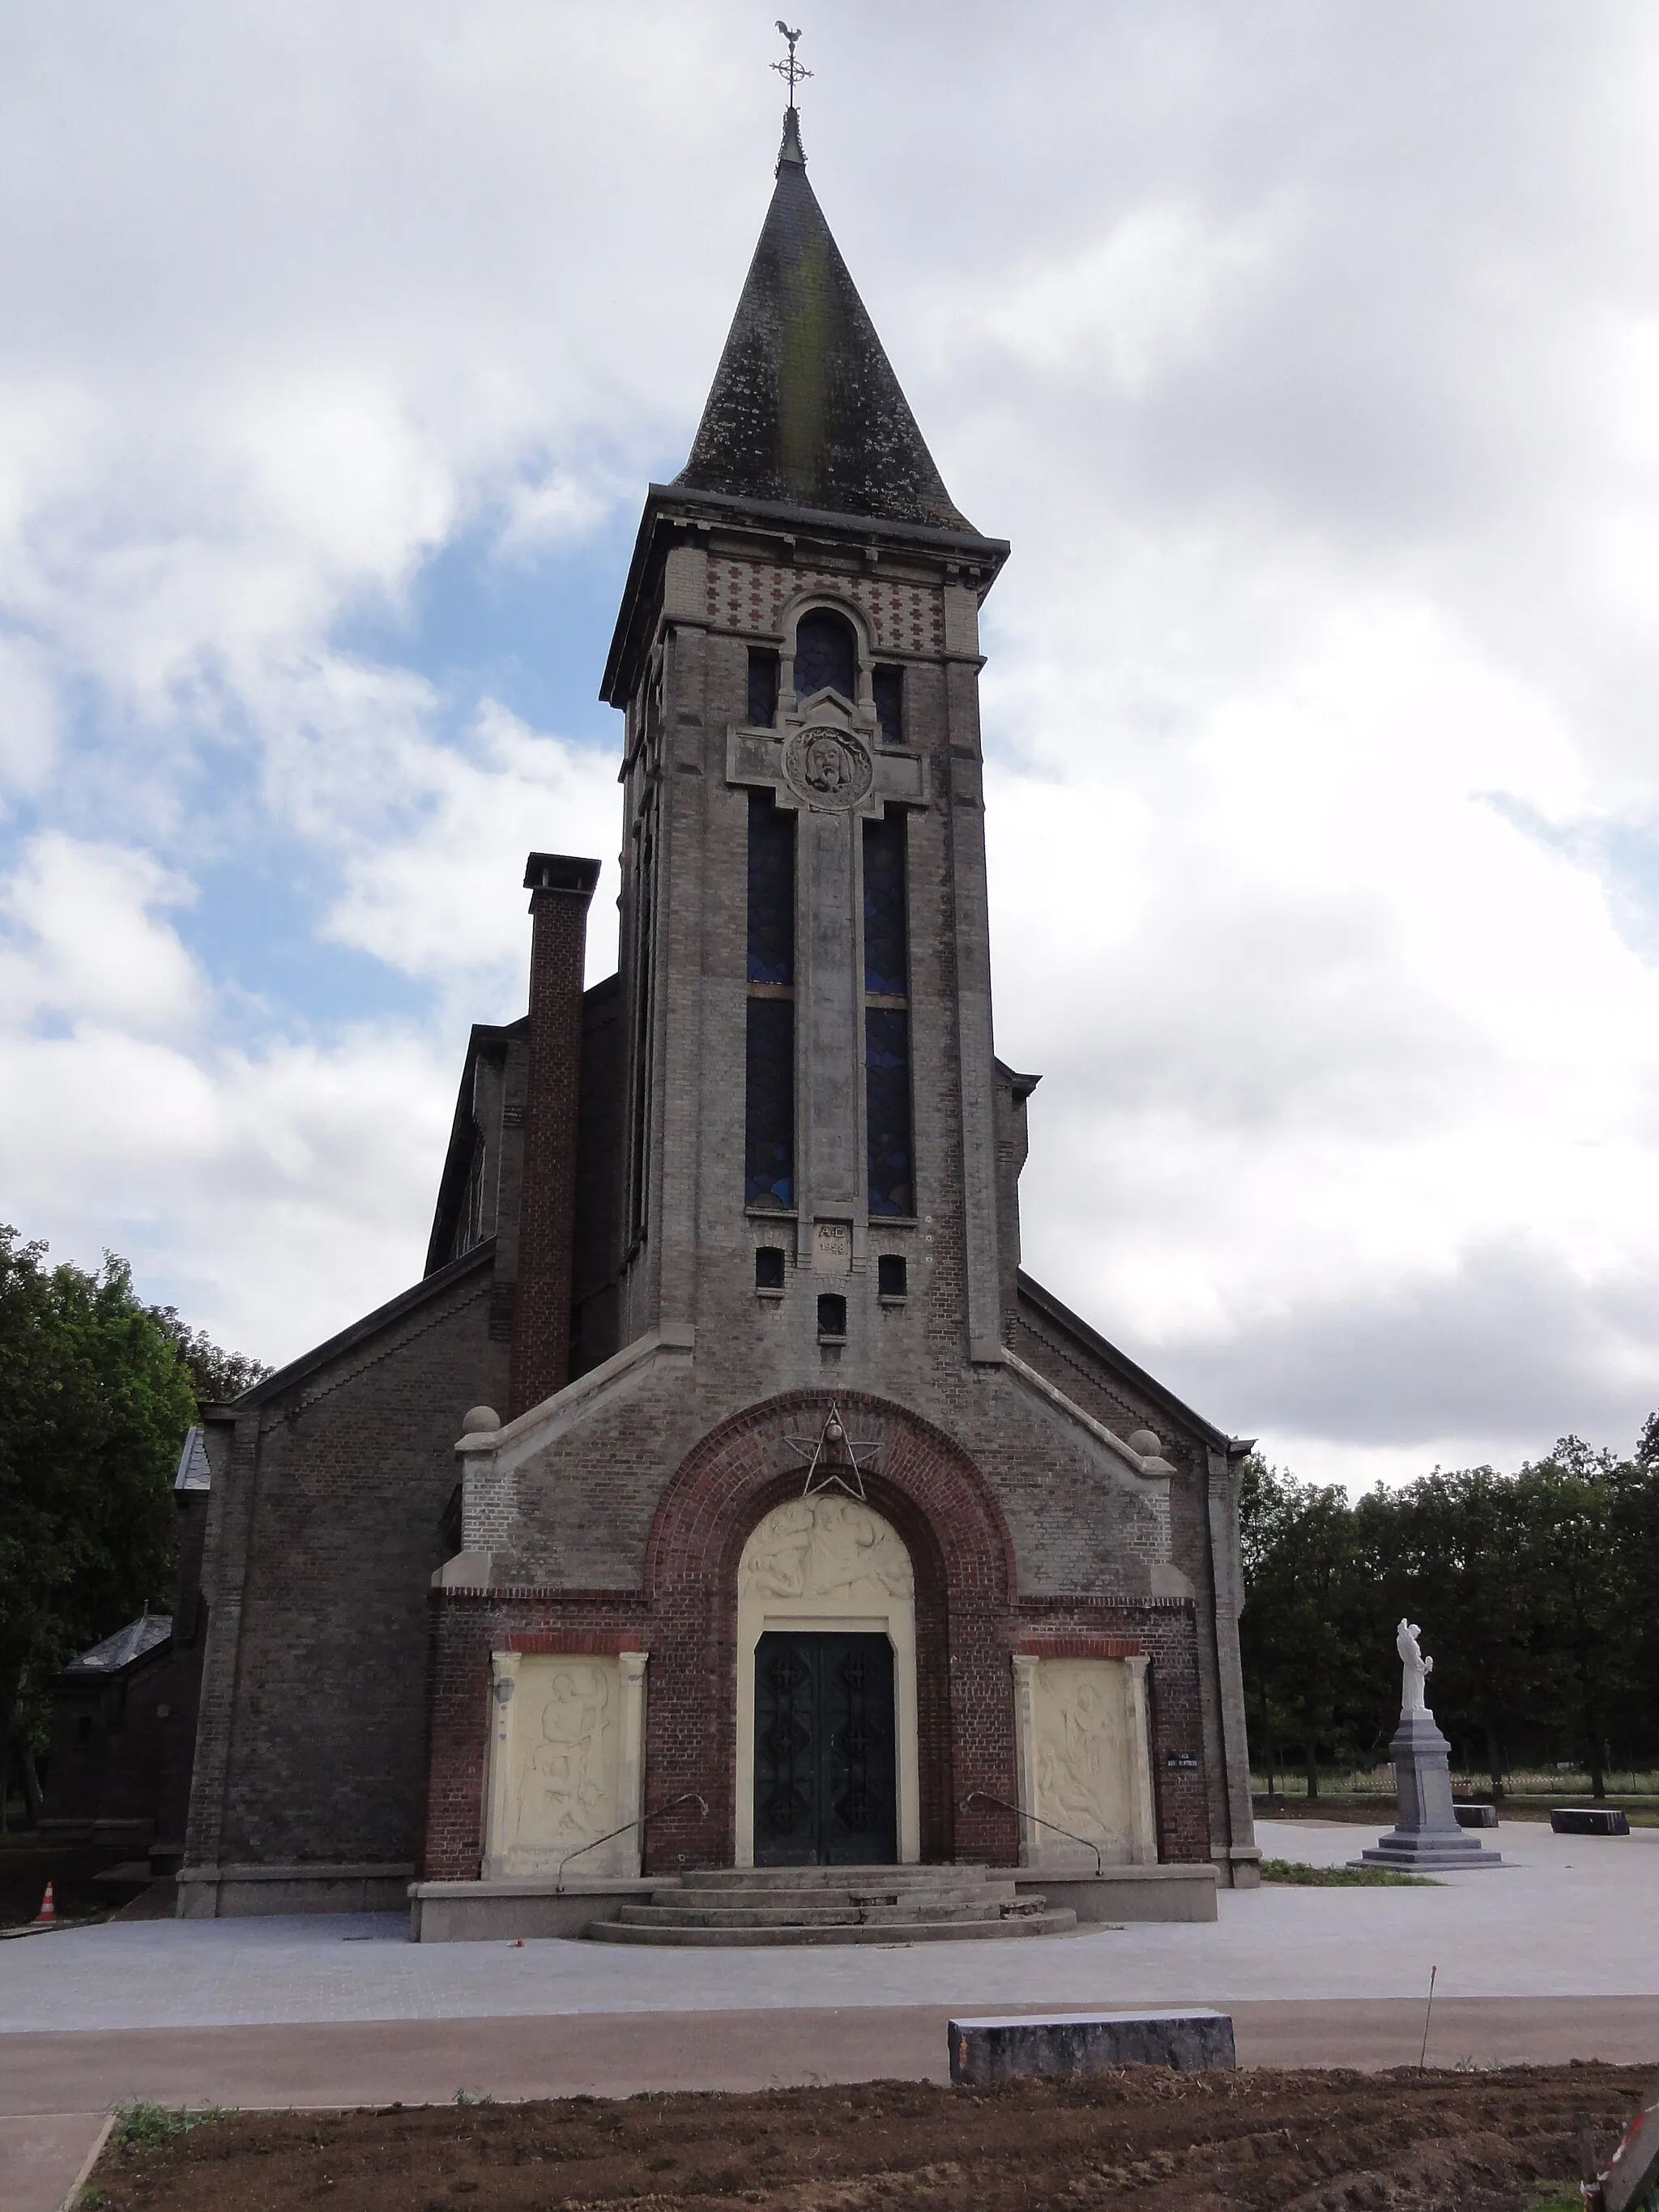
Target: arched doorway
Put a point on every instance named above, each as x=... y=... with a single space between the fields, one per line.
x=827 y=1764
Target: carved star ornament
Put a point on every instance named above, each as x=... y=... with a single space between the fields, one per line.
x=834 y=1461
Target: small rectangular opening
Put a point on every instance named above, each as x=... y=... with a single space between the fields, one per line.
x=890 y=1275
x=762 y=687
x=832 y=1315
x=888 y=686
x=769 y=1268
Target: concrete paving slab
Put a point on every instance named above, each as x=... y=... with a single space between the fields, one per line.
x=1573 y=1917
x=45 y=2155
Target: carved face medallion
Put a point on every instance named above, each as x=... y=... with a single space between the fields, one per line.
x=827 y=767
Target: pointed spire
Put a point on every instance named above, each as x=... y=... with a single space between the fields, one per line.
x=805 y=408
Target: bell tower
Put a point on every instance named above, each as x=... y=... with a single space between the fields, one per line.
x=812 y=1099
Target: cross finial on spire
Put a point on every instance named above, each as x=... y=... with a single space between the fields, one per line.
x=790 y=70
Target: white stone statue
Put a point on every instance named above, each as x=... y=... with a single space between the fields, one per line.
x=1417 y=1670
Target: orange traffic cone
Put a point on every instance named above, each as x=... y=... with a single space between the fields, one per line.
x=48 y=1912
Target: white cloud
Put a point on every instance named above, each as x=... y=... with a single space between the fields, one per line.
x=438 y=902
x=85 y=946
x=28 y=717
x=1305 y=354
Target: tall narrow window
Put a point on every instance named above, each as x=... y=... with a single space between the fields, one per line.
x=826 y=654
x=887 y=685
x=643 y=892
x=762 y=687
x=769 y=1069
x=892 y=1179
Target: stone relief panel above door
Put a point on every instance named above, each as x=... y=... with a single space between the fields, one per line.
x=825 y=1548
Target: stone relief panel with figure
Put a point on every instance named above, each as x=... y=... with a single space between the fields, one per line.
x=1085 y=1761
x=563 y=1756
x=568 y=1777
x=825 y=1548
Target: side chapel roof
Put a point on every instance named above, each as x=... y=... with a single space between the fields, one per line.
x=126 y=1645
x=804 y=409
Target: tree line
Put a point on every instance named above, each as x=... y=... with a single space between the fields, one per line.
x=1535 y=1593
x=97 y=1391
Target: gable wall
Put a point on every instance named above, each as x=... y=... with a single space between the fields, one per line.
x=328 y=1500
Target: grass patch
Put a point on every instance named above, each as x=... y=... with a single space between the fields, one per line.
x=1342 y=1877
x=148 y=2127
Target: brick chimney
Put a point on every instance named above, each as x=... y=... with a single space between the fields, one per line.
x=560 y=889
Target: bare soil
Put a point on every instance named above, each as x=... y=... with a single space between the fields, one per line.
x=1141 y=2138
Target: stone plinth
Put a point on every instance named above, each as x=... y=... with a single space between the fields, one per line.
x=987 y=2050
x=1426 y=1838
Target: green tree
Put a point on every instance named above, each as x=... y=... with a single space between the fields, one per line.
x=1296 y=1633
x=218 y=1375
x=1458 y=1552
x=96 y=1397
x=1533 y=1591
x=1579 y=1503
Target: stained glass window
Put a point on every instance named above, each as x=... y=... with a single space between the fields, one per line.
x=888 y=685
x=770 y=1104
x=771 y=891
x=887 y=1094
x=826 y=653
x=884 y=933
x=762 y=687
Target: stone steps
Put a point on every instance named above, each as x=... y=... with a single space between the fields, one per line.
x=792 y=1879
x=842 y=1914
x=736 y=1906
x=916 y=1931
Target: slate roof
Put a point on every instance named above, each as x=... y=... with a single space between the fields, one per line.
x=805 y=408
x=126 y=1645
x=194 y=1471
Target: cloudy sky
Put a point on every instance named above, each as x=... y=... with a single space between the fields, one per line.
x=1308 y=353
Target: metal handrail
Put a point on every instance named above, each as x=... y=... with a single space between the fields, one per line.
x=690 y=1798
x=1037 y=1817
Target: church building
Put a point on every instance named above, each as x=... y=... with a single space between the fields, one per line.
x=725 y=1496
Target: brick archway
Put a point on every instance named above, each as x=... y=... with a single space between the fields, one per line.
x=959 y=1544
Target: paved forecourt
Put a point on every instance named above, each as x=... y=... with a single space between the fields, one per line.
x=1554 y=1957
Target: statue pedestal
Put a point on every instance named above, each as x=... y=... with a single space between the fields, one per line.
x=1426 y=1838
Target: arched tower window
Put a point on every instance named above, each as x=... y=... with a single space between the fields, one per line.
x=826 y=654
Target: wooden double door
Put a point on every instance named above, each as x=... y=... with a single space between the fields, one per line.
x=826 y=1766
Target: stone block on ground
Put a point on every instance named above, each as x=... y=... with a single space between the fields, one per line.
x=1475 y=1816
x=985 y=2050
x=1633 y=2174
x=1588 y=1820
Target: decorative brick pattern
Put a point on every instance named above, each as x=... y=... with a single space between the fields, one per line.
x=749 y=597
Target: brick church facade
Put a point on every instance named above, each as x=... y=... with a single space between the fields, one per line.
x=725 y=1493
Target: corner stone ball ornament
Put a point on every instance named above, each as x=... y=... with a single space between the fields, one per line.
x=827 y=767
